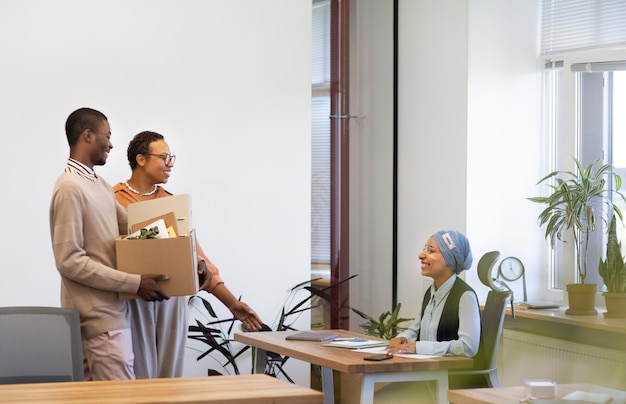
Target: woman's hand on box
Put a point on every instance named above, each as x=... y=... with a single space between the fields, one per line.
x=205 y=277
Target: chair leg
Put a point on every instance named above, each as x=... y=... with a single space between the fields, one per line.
x=492 y=378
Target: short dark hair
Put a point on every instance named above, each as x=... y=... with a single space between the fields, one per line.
x=81 y=120
x=141 y=145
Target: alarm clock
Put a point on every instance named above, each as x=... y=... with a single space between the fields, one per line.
x=511 y=269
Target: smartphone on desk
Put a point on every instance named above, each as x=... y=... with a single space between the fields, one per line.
x=380 y=357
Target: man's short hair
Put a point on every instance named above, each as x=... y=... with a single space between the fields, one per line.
x=81 y=120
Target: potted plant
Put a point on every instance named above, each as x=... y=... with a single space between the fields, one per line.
x=576 y=203
x=387 y=326
x=613 y=273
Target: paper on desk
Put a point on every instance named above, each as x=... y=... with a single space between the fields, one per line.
x=382 y=350
x=356 y=343
x=589 y=397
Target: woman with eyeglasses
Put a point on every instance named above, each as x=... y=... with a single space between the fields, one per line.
x=159 y=329
x=449 y=320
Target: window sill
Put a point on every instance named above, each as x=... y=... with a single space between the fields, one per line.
x=592 y=330
x=321 y=274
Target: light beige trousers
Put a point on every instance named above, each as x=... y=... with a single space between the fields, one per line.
x=109 y=356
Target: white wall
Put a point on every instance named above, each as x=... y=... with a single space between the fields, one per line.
x=432 y=151
x=432 y=132
x=504 y=137
x=469 y=140
x=371 y=156
x=214 y=78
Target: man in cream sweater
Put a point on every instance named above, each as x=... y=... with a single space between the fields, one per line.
x=85 y=220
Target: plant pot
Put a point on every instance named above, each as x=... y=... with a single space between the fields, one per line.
x=582 y=299
x=615 y=305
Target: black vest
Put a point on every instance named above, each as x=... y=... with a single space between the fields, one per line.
x=448 y=328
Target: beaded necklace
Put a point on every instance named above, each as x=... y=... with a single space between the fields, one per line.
x=152 y=191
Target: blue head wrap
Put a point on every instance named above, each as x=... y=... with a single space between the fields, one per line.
x=455 y=249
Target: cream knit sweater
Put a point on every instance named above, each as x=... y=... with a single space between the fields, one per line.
x=85 y=220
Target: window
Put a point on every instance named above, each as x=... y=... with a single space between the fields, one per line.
x=601 y=91
x=320 y=132
x=585 y=88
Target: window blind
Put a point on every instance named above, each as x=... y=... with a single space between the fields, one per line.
x=571 y=25
x=320 y=134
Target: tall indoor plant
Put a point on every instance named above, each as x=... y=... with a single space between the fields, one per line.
x=613 y=273
x=576 y=203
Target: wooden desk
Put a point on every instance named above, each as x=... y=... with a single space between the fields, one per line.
x=346 y=360
x=215 y=389
x=512 y=395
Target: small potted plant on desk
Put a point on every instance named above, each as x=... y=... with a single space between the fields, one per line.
x=613 y=273
x=575 y=204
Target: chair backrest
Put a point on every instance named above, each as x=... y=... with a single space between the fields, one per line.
x=40 y=344
x=492 y=320
x=484 y=268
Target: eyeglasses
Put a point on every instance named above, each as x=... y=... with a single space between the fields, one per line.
x=167 y=158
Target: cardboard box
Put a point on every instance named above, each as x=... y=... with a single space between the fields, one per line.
x=148 y=210
x=175 y=257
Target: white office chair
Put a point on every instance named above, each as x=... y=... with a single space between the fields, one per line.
x=40 y=344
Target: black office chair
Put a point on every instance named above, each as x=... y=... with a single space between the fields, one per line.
x=40 y=344
x=484 y=372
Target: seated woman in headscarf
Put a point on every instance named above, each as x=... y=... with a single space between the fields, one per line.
x=449 y=322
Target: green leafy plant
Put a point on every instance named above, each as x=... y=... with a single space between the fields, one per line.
x=217 y=333
x=290 y=313
x=576 y=203
x=613 y=269
x=386 y=326
x=145 y=233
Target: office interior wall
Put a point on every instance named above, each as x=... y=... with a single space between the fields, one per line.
x=371 y=156
x=469 y=140
x=214 y=78
x=432 y=127
x=505 y=157
x=431 y=144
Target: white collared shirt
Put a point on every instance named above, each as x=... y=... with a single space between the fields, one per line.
x=469 y=324
x=76 y=167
